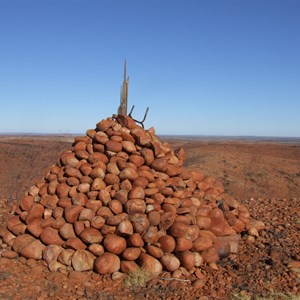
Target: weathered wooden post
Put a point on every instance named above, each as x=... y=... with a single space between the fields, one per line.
x=122 y=110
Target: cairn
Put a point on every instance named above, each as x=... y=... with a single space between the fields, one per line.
x=121 y=199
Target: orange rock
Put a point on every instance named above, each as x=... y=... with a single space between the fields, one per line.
x=84 y=187
x=202 y=243
x=136 y=192
x=107 y=263
x=97 y=172
x=140 y=182
x=187 y=259
x=65 y=257
x=50 y=236
x=74 y=243
x=150 y=263
x=128 y=146
x=210 y=255
x=151 y=235
x=8 y=237
x=97 y=222
x=111 y=179
x=186 y=219
x=125 y=228
x=9 y=254
x=154 y=251
x=101 y=138
x=183 y=244
x=154 y=217
x=64 y=202
x=137 y=160
x=258 y=225
x=114 y=243
x=135 y=206
x=167 y=220
x=159 y=164
x=69 y=159
x=147 y=155
x=33 y=250
x=79 y=199
x=83 y=260
x=167 y=243
x=239 y=226
x=36 y=211
x=115 y=206
x=96 y=249
x=203 y=222
x=128 y=173
x=172 y=170
x=91 y=235
x=103 y=125
x=67 y=231
x=51 y=253
x=72 y=212
x=128 y=266
x=12 y=221
x=34 y=227
x=179 y=230
x=104 y=212
x=21 y=241
x=86 y=215
x=131 y=253
x=135 y=240
x=26 y=202
x=170 y=262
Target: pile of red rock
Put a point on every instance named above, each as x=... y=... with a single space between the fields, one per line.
x=121 y=199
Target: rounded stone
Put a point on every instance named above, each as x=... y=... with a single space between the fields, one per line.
x=91 y=235
x=187 y=259
x=114 y=243
x=131 y=253
x=83 y=260
x=150 y=263
x=170 y=262
x=167 y=243
x=202 y=243
x=107 y=263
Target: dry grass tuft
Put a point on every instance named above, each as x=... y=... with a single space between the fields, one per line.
x=137 y=278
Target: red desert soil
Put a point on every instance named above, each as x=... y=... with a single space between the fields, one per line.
x=263 y=175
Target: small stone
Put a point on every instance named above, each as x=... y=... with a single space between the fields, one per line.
x=198 y=283
x=9 y=254
x=117 y=276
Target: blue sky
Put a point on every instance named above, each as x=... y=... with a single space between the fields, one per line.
x=203 y=67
